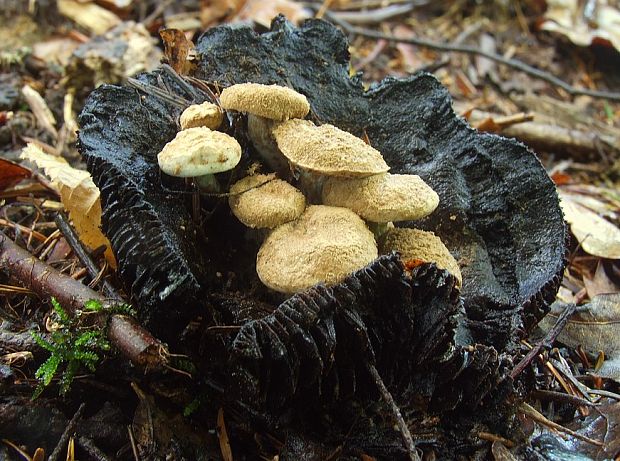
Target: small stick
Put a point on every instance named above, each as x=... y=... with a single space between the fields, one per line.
x=62 y=221
x=562 y=397
x=540 y=418
x=67 y=433
x=89 y=447
x=181 y=82
x=158 y=93
x=400 y=421
x=135 y=342
x=546 y=341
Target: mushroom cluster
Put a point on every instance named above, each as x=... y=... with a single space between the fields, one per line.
x=354 y=200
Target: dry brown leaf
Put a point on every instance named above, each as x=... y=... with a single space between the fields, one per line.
x=594 y=326
x=596 y=235
x=177 y=50
x=11 y=173
x=599 y=283
x=79 y=195
x=212 y=11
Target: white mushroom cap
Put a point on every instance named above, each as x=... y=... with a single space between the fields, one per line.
x=382 y=198
x=199 y=151
x=269 y=101
x=264 y=201
x=325 y=244
x=416 y=244
x=327 y=150
x=205 y=114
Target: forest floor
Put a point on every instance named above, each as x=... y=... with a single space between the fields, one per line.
x=537 y=71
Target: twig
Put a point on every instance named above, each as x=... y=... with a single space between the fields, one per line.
x=400 y=422
x=67 y=433
x=136 y=343
x=515 y=64
x=539 y=418
x=562 y=397
x=546 y=341
x=604 y=393
x=373 y=16
x=89 y=447
x=62 y=221
x=158 y=93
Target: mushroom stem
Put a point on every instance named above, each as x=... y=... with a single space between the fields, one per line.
x=207 y=183
x=311 y=183
x=379 y=228
x=259 y=131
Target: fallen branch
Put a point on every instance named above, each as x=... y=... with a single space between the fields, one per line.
x=515 y=64
x=134 y=342
x=547 y=341
x=542 y=136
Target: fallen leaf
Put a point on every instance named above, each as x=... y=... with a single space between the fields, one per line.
x=11 y=173
x=603 y=425
x=599 y=283
x=594 y=326
x=79 y=196
x=177 y=49
x=212 y=11
x=596 y=235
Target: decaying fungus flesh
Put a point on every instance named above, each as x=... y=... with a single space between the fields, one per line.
x=415 y=245
x=206 y=114
x=382 y=198
x=265 y=105
x=199 y=153
x=324 y=245
x=324 y=150
x=263 y=201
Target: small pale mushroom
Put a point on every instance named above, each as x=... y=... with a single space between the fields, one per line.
x=382 y=198
x=263 y=201
x=206 y=114
x=199 y=153
x=416 y=244
x=321 y=151
x=265 y=104
x=325 y=244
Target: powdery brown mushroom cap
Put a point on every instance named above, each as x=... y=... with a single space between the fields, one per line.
x=382 y=198
x=206 y=114
x=199 y=151
x=325 y=244
x=415 y=244
x=270 y=101
x=265 y=202
x=327 y=150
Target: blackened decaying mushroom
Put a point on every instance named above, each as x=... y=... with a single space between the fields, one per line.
x=498 y=209
x=498 y=214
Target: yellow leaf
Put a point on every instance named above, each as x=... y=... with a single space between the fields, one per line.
x=596 y=235
x=79 y=196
